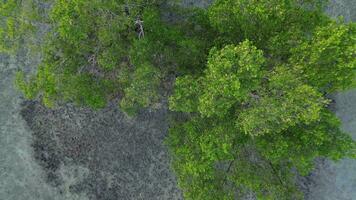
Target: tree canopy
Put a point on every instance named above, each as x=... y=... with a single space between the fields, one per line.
x=251 y=97
x=258 y=113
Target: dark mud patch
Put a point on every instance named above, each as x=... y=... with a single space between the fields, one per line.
x=46 y=150
x=124 y=158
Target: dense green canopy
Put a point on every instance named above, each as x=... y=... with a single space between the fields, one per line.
x=260 y=110
x=253 y=78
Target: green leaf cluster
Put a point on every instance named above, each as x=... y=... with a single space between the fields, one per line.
x=18 y=21
x=252 y=81
x=142 y=91
x=327 y=59
x=258 y=113
x=92 y=54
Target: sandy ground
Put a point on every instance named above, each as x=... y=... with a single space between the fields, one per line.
x=75 y=153
x=21 y=178
x=337 y=181
x=71 y=153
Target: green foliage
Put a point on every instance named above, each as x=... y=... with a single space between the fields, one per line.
x=142 y=91
x=252 y=81
x=27 y=87
x=254 y=116
x=85 y=89
x=158 y=44
x=213 y=162
x=164 y=45
x=86 y=53
x=185 y=98
x=232 y=74
x=300 y=144
x=262 y=20
x=17 y=24
x=83 y=25
x=200 y=146
x=327 y=60
x=94 y=44
x=43 y=83
x=250 y=171
x=285 y=103
x=71 y=69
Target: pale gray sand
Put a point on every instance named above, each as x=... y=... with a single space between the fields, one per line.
x=73 y=154
x=337 y=181
x=21 y=178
